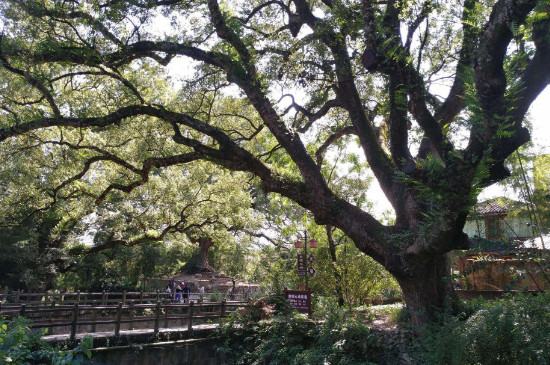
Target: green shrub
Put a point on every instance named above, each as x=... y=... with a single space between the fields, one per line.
x=216 y=297
x=339 y=340
x=513 y=330
x=20 y=345
x=263 y=308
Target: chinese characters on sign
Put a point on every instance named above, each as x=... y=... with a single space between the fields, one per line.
x=299 y=300
x=301 y=265
x=311 y=270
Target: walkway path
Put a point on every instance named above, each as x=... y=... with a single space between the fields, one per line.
x=139 y=335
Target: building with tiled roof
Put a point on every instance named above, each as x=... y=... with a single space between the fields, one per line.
x=500 y=219
x=499 y=230
x=493 y=206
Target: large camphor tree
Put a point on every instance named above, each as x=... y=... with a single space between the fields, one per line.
x=433 y=92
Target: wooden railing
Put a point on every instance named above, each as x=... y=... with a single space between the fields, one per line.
x=74 y=317
x=15 y=299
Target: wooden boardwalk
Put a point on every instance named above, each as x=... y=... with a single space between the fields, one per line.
x=71 y=316
x=107 y=339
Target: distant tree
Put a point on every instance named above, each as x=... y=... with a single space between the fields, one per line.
x=32 y=252
x=121 y=267
x=267 y=88
x=352 y=276
x=530 y=182
x=541 y=192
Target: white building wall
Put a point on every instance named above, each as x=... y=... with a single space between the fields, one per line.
x=518 y=227
x=474 y=228
x=510 y=227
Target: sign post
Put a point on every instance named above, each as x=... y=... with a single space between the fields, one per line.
x=304 y=260
x=301 y=265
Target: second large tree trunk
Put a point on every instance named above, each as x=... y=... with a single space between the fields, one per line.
x=204 y=246
x=199 y=262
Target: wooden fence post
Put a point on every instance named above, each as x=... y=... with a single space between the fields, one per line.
x=165 y=315
x=118 y=318
x=124 y=297
x=78 y=296
x=158 y=295
x=94 y=319
x=46 y=298
x=141 y=297
x=22 y=310
x=60 y=298
x=103 y=298
x=222 y=309
x=132 y=314
x=157 y=317
x=74 y=323
x=17 y=297
x=190 y=316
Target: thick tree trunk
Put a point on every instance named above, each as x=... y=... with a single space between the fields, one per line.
x=199 y=262
x=427 y=290
x=204 y=246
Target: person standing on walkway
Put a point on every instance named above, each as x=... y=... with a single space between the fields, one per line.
x=168 y=294
x=178 y=293
x=186 y=291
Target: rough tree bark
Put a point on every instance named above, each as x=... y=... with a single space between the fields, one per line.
x=427 y=290
x=198 y=263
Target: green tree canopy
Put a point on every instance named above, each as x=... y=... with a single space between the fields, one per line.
x=31 y=253
x=270 y=88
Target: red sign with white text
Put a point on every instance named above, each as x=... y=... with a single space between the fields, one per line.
x=299 y=300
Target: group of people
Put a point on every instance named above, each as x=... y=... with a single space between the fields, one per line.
x=180 y=293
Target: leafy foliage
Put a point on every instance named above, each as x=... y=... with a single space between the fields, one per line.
x=350 y=274
x=358 y=277
x=530 y=181
x=123 y=268
x=31 y=253
x=513 y=330
x=20 y=345
x=294 y=340
x=105 y=112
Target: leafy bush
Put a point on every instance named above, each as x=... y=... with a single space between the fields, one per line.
x=20 y=345
x=264 y=308
x=513 y=330
x=216 y=297
x=324 y=306
x=296 y=340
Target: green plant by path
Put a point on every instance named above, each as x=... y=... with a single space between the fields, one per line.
x=513 y=330
x=287 y=340
x=20 y=345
